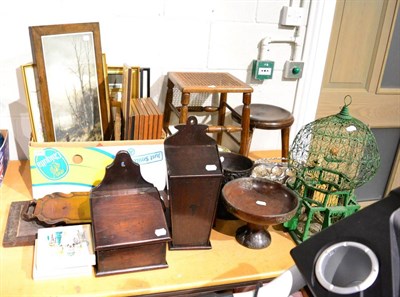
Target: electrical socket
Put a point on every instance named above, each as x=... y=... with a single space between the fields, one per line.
x=292 y=16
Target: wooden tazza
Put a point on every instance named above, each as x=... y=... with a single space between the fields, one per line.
x=260 y=203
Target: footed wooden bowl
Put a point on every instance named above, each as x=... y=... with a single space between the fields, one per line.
x=260 y=203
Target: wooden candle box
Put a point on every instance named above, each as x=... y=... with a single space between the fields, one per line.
x=129 y=226
x=194 y=184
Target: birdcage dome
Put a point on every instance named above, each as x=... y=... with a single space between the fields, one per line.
x=339 y=146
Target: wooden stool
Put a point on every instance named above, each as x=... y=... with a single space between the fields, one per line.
x=220 y=83
x=268 y=117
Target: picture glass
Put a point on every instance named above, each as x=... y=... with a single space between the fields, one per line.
x=71 y=73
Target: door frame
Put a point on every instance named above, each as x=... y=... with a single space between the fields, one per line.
x=315 y=50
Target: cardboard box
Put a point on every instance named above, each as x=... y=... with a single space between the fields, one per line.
x=4 y=154
x=78 y=166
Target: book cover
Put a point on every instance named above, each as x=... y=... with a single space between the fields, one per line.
x=160 y=118
x=151 y=117
x=54 y=273
x=65 y=247
x=154 y=114
x=134 y=122
x=143 y=120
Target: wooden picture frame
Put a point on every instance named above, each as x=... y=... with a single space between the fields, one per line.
x=115 y=78
x=32 y=101
x=107 y=90
x=130 y=90
x=70 y=79
x=145 y=82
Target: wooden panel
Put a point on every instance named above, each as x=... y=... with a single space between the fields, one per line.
x=353 y=43
x=357 y=53
x=358 y=46
x=377 y=111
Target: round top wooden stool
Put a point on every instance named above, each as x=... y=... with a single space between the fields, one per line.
x=268 y=117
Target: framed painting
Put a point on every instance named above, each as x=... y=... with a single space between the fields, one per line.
x=32 y=102
x=70 y=80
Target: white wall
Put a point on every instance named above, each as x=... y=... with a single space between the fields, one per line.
x=165 y=35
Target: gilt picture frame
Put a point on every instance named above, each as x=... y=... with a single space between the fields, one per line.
x=32 y=101
x=115 y=78
x=130 y=90
x=69 y=76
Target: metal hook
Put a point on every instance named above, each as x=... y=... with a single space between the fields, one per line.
x=348 y=102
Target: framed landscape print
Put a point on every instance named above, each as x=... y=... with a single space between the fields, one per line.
x=70 y=79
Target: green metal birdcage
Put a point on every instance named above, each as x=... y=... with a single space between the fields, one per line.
x=331 y=156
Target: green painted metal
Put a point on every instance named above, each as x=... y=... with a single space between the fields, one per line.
x=331 y=157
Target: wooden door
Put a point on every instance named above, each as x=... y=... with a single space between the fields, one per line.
x=359 y=48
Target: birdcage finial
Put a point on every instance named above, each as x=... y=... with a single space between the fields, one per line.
x=344 y=113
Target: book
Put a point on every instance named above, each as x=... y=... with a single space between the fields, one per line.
x=134 y=121
x=143 y=119
x=154 y=115
x=160 y=118
x=63 y=251
x=43 y=274
x=151 y=117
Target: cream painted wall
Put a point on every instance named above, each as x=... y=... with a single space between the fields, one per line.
x=165 y=35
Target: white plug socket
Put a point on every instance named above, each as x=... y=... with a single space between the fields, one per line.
x=292 y=16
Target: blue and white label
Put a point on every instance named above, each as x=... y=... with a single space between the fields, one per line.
x=148 y=158
x=51 y=164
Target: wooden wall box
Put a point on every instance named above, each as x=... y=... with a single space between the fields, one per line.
x=194 y=184
x=129 y=226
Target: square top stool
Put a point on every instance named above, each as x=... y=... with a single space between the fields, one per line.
x=209 y=82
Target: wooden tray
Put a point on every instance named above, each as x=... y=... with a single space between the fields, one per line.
x=56 y=208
